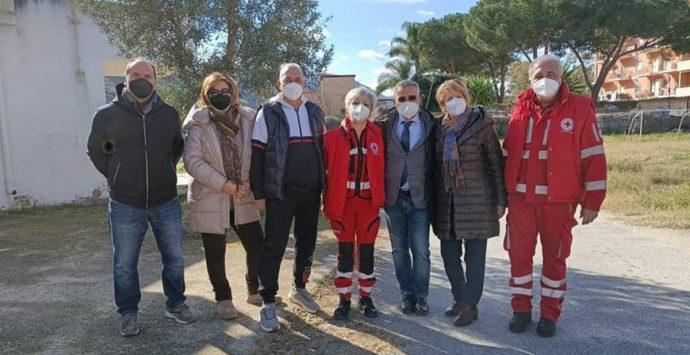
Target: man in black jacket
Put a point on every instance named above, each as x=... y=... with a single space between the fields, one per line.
x=287 y=177
x=135 y=142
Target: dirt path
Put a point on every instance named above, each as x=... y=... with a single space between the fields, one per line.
x=629 y=292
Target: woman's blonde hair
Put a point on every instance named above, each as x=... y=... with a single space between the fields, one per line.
x=361 y=92
x=209 y=82
x=451 y=88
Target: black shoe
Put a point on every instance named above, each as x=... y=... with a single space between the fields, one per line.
x=519 y=322
x=422 y=307
x=546 y=327
x=454 y=309
x=408 y=304
x=343 y=310
x=366 y=305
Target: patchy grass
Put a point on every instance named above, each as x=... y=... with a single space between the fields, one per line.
x=649 y=179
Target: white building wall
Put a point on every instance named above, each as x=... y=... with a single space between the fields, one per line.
x=51 y=76
x=3 y=195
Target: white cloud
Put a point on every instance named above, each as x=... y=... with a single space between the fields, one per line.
x=379 y=71
x=426 y=13
x=336 y=65
x=401 y=1
x=385 y=30
x=371 y=54
x=385 y=43
x=326 y=33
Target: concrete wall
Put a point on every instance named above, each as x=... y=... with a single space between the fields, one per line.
x=52 y=80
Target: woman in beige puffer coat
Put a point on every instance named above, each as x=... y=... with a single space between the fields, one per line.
x=217 y=156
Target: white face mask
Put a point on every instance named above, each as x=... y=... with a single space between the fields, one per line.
x=456 y=106
x=292 y=91
x=546 y=88
x=408 y=109
x=358 y=112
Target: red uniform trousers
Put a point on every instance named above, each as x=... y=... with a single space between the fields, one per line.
x=359 y=226
x=553 y=222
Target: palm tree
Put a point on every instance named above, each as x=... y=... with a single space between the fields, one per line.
x=410 y=47
x=481 y=89
x=396 y=71
x=572 y=75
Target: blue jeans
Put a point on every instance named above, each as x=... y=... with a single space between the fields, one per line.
x=409 y=231
x=128 y=226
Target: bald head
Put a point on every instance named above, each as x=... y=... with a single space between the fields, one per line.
x=140 y=68
x=138 y=63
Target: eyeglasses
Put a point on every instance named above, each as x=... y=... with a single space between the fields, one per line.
x=214 y=92
x=408 y=98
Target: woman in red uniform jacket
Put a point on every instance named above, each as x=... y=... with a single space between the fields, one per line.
x=354 y=161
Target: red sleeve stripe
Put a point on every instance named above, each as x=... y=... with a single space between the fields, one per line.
x=296 y=140
x=258 y=144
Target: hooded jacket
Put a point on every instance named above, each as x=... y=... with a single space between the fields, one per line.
x=137 y=152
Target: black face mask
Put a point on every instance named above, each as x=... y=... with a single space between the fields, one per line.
x=220 y=101
x=140 y=88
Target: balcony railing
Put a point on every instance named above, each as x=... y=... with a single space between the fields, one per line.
x=624 y=74
x=664 y=92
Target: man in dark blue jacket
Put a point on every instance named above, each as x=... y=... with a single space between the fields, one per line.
x=135 y=142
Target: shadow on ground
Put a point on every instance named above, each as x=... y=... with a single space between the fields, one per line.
x=56 y=292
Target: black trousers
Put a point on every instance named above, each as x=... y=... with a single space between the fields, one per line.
x=303 y=207
x=251 y=236
x=467 y=285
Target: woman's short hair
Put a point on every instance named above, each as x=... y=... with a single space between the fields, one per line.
x=451 y=88
x=210 y=81
x=361 y=92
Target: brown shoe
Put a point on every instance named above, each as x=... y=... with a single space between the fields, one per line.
x=466 y=316
x=226 y=310
x=256 y=300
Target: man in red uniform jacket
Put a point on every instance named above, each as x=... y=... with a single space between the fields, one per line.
x=554 y=161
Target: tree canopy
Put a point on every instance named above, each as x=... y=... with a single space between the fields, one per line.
x=496 y=33
x=244 y=38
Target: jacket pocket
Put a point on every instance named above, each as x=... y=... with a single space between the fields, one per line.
x=375 y=223
x=566 y=239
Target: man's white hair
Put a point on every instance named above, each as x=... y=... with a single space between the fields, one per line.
x=548 y=58
x=287 y=66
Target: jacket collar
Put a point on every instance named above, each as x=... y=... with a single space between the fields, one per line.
x=124 y=99
x=371 y=126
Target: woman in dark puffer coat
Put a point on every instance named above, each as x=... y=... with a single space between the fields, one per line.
x=470 y=195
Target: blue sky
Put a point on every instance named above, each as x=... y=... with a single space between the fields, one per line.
x=361 y=30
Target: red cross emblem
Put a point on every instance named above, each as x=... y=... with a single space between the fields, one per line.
x=567 y=124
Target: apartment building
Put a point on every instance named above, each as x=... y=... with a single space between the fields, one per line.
x=649 y=74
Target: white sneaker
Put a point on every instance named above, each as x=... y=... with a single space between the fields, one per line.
x=302 y=298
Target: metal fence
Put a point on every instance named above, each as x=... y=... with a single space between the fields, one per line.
x=644 y=121
x=626 y=122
